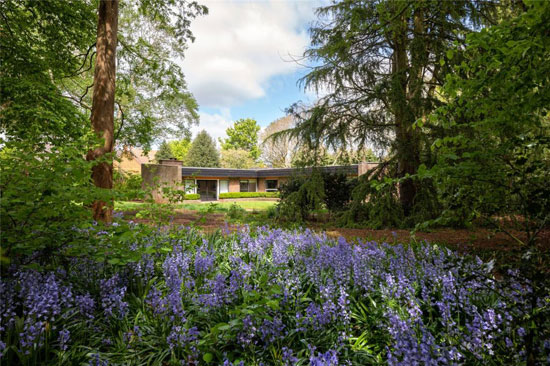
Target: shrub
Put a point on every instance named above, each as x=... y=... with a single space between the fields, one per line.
x=300 y=196
x=235 y=212
x=192 y=196
x=45 y=195
x=249 y=195
x=127 y=186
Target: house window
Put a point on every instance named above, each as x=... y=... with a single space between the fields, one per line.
x=248 y=185
x=271 y=185
x=189 y=186
x=224 y=186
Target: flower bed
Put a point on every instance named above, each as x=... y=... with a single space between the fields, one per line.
x=268 y=297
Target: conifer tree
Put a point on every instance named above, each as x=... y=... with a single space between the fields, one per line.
x=164 y=152
x=203 y=152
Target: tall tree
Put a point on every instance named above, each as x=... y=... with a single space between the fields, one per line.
x=243 y=135
x=103 y=103
x=164 y=152
x=237 y=159
x=277 y=151
x=203 y=152
x=379 y=64
x=180 y=148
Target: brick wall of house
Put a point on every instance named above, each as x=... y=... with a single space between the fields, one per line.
x=234 y=185
x=261 y=185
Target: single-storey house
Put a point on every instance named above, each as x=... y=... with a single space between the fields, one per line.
x=210 y=182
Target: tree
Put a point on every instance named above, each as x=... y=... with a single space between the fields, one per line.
x=494 y=157
x=103 y=103
x=278 y=151
x=203 y=152
x=237 y=158
x=42 y=44
x=380 y=63
x=243 y=135
x=47 y=68
x=180 y=148
x=494 y=161
x=164 y=152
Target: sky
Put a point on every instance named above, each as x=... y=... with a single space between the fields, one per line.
x=241 y=63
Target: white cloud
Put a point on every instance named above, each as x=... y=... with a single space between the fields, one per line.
x=240 y=45
x=214 y=124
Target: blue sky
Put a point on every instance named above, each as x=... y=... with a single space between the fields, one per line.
x=240 y=65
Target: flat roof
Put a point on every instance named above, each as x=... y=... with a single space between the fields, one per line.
x=187 y=171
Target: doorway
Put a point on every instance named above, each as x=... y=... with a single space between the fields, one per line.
x=208 y=189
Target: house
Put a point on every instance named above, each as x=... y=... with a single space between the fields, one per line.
x=130 y=159
x=211 y=182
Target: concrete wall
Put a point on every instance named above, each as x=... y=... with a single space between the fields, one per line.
x=157 y=176
x=365 y=167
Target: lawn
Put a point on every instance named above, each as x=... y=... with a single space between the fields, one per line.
x=203 y=206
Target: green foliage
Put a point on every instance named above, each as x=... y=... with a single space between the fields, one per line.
x=153 y=100
x=127 y=186
x=179 y=148
x=338 y=189
x=320 y=190
x=164 y=152
x=48 y=56
x=42 y=45
x=235 y=212
x=494 y=158
x=45 y=196
x=300 y=196
x=243 y=135
x=237 y=159
x=203 y=152
x=383 y=61
x=192 y=196
x=248 y=195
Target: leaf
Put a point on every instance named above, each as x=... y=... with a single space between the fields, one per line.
x=208 y=357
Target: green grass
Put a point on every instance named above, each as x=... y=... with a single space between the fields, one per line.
x=204 y=206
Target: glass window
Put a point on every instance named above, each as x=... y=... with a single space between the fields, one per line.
x=224 y=186
x=271 y=185
x=248 y=185
x=189 y=186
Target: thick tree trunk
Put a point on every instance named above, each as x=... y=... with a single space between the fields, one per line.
x=406 y=141
x=103 y=103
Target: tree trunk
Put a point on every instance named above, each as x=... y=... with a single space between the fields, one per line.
x=103 y=103
x=406 y=142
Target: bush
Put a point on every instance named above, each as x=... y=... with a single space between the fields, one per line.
x=192 y=196
x=300 y=196
x=249 y=195
x=235 y=212
x=303 y=194
x=45 y=195
x=127 y=186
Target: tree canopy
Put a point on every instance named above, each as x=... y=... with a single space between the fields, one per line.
x=379 y=64
x=48 y=59
x=494 y=155
x=203 y=152
x=243 y=135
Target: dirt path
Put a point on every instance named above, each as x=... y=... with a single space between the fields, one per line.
x=461 y=239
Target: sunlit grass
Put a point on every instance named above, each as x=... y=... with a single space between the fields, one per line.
x=203 y=206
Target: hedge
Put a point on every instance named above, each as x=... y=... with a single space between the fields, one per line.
x=192 y=196
x=249 y=195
